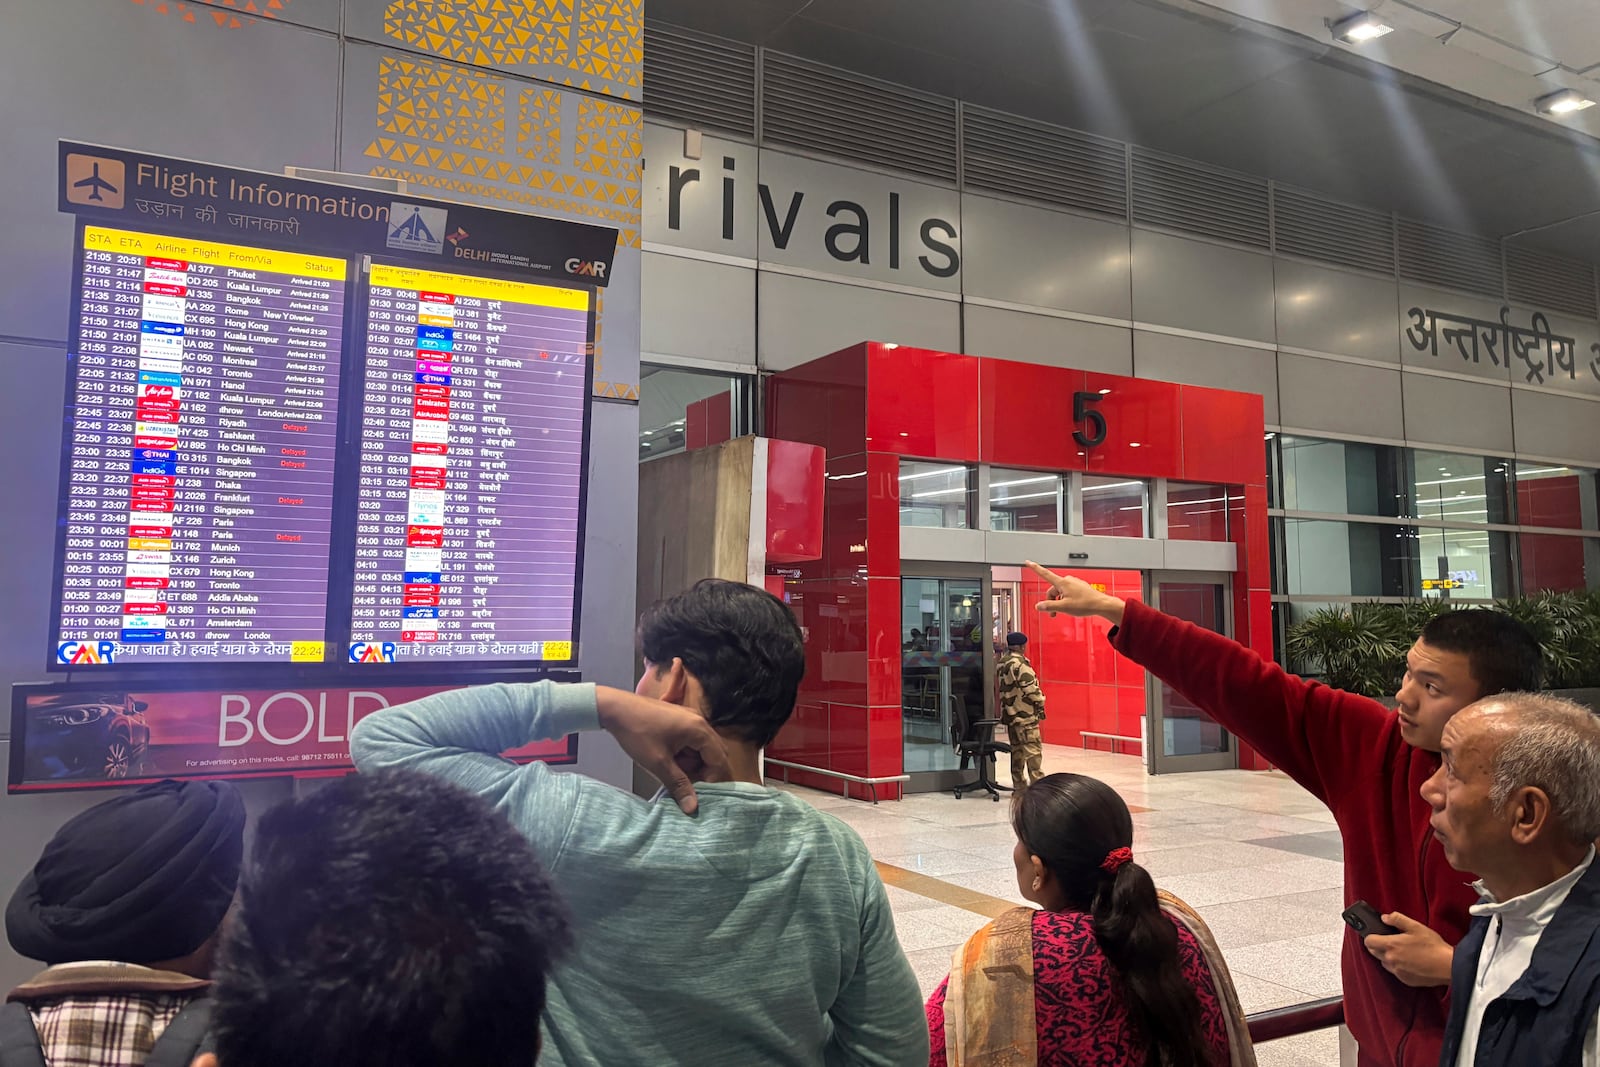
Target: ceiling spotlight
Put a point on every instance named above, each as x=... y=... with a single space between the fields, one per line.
x=1359 y=28
x=1564 y=102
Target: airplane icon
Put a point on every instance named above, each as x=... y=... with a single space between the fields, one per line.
x=94 y=183
x=95 y=180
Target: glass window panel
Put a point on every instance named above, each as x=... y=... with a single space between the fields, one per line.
x=1197 y=512
x=935 y=494
x=1327 y=558
x=1550 y=495
x=683 y=409
x=1557 y=562
x=1114 y=507
x=1458 y=488
x=1340 y=477
x=1466 y=564
x=1274 y=473
x=941 y=668
x=1024 y=500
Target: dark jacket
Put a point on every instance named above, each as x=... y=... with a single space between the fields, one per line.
x=1544 y=1018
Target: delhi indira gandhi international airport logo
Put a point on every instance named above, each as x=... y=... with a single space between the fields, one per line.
x=95 y=180
x=414 y=228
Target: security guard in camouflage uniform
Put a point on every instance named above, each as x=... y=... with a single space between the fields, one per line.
x=1021 y=710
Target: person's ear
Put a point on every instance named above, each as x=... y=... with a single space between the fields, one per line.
x=676 y=679
x=1041 y=874
x=205 y=1059
x=1528 y=811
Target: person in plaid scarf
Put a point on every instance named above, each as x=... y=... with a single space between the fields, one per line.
x=125 y=905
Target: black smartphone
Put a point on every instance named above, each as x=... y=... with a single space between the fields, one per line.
x=1364 y=919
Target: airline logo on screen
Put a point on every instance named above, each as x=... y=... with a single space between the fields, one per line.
x=372 y=652
x=414 y=228
x=86 y=653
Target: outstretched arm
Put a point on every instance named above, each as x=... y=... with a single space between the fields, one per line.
x=1306 y=729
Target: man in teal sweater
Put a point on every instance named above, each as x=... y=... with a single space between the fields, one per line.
x=738 y=926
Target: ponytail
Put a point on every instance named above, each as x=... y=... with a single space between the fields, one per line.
x=1142 y=944
x=1083 y=832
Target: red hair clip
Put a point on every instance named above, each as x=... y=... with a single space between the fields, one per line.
x=1115 y=859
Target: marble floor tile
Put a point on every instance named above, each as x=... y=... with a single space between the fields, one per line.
x=1258 y=856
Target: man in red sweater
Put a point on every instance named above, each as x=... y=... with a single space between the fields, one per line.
x=1367 y=763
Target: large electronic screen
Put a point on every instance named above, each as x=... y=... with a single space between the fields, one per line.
x=201 y=440
x=319 y=427
x=472 y=467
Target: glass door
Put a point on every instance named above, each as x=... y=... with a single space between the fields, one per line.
x=1181 y=737
x=945 y=665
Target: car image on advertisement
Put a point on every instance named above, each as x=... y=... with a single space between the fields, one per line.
x=86 y=735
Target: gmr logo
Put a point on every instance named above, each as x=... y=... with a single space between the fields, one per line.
x=585 y=268
x=85 y=653
x=372 y=652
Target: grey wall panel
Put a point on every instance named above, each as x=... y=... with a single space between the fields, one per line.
x=617 y=326
x=802 y=319
x=256 y=96
x=1030 y=255
x=1045 y=339
x=1053 y=550
x=1203 y=287
x=1335 y=311
x=1424 y=342
x=1200 y=556
x=932 y=544
x=858 y=224
x=1324 y=394
x=1550 y=425
x=1451 y=412
x=314 y=14
x=1573 y=367
x=30 y=422
x=509 y=38
x=698 y=309
x=715 y=196
x=1190 y=361
x=610 y=561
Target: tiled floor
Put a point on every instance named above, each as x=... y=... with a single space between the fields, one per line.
x=1256 y=855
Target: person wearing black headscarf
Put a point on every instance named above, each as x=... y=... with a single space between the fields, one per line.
x=125 y=905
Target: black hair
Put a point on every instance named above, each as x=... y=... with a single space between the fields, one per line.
x=387 y=920
x=1073 y=823
x=1502 y=653
x=741 y=644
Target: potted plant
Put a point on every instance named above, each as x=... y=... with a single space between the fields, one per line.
x=1363 y=648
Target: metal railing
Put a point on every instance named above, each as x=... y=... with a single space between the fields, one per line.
x=1295 y=1019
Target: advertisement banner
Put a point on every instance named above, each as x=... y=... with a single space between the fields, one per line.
x=84 y=737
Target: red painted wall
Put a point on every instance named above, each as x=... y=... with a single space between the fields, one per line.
x=870 y=405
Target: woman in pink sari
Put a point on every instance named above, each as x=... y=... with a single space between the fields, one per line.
x=1107 y=973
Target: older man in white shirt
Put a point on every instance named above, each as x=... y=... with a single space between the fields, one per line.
x=1517 y=801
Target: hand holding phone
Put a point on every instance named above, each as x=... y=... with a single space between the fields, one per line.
x=1364 y=919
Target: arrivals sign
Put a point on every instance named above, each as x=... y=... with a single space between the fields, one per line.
x=756 y=204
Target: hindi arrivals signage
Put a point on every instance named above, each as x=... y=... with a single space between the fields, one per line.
x=1537 y=349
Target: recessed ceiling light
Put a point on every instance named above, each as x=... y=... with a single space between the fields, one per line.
x=1564 y=102
x=1359 y=28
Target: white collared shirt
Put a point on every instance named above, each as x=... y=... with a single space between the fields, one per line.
x=1515 y=927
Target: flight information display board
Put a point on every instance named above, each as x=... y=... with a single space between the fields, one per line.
x=201 y=441
x=472 y=469
x=317 y=431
